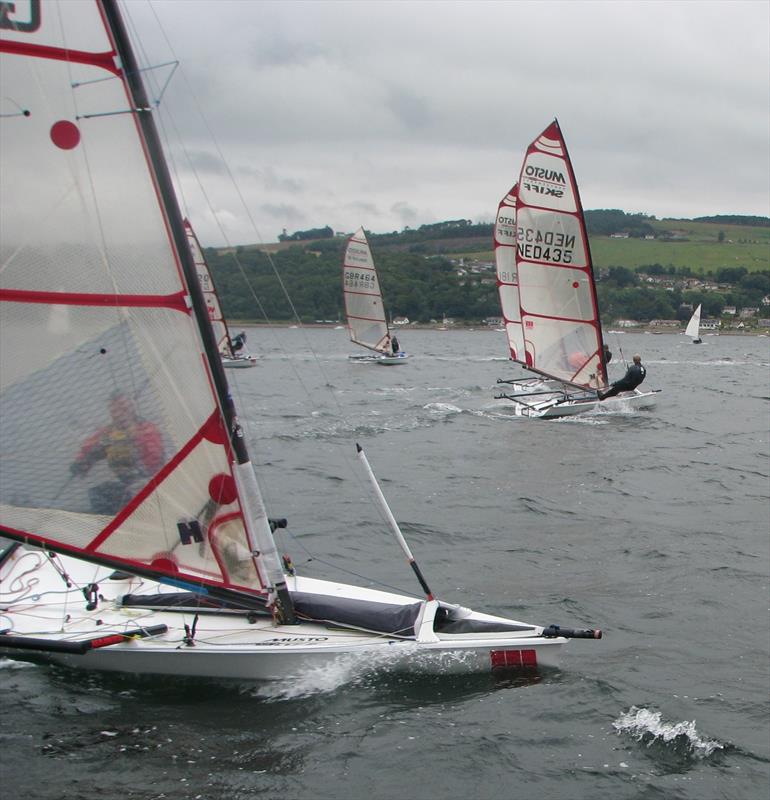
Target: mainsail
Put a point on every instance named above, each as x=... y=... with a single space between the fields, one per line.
x=559 y=313
x=214 y=307
x=363 y=298
x=120 y=444
x=693 y=326
x=507 y=279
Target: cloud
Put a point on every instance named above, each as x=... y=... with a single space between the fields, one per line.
x=419 y=112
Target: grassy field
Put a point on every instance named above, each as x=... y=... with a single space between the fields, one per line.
x=699 y=247
x=700 y=257
x=702 y=252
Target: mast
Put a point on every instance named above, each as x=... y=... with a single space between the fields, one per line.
x=255 y=517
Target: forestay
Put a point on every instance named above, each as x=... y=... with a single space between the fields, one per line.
x=93 y=293
x=559 y=316
x=363 y=298
x=507 y=279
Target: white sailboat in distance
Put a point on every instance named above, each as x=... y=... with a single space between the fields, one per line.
x=364 y=308
x=693 y=326
x=140 y=539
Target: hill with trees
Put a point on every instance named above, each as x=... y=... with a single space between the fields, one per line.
x=646 y=269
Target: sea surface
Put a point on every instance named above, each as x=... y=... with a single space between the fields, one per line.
x=650 y=524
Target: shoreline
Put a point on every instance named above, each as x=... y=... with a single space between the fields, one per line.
x=476 y=328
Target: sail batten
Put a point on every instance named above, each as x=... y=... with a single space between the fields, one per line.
x=558 y=309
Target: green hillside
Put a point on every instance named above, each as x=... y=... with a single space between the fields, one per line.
x=423 y=277
x=696 y=247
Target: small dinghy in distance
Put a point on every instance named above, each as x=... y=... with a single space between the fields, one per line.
x=141 y=540
x=693 y=326
x=544 y=264
x=364 y=308
x=230 y=348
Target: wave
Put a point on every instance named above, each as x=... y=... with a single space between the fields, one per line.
x=649 y=728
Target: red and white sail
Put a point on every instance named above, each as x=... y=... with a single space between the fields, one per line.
x=213 y=306
x=363 y=298
x=557 y=294
x=115 y=446
x=507 y=278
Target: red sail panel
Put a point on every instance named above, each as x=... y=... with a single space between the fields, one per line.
x=114 y=446
x=363 y=298
x=507 y=277
x=559 y=313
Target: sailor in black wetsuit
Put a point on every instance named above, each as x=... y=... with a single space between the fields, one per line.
x=633 y=377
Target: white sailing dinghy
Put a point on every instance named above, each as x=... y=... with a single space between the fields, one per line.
x=693 y=326
x=364 y=308
x=141 y=542
x=231 y=350
x=544 y=263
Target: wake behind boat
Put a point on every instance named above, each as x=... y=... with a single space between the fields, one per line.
x=548 y=292
x=142 y=542
x=364 y=308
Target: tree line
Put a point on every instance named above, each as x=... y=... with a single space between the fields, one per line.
x=421 y=282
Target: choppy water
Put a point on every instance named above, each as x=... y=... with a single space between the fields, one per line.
x=650 y=524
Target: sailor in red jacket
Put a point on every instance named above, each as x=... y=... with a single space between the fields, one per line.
x=132 y=448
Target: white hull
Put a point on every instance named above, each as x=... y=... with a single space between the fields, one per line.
x=244 y=362
x=555 y=406
x=383 y=360
x=232 y=644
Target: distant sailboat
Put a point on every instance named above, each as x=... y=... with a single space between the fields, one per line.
x=547 y=288
x=693 y=326
x=230 y=349
x=364 y=308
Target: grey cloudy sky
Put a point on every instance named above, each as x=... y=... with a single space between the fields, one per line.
x=396 y=113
